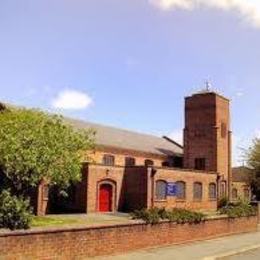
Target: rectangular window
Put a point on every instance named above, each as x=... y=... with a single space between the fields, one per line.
x=108 y=160
x=200 y=164
x=129 y=161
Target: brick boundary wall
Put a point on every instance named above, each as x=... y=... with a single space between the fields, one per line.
x=69 y=243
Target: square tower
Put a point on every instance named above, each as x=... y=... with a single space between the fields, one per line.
x=207 y=137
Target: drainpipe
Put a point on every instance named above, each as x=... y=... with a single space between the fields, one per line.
x=229 y=165
x=153 y=172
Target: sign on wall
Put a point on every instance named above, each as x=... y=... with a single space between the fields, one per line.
x=171 y=189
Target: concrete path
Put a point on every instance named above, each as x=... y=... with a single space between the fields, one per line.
x=249 y=255
x=206 y=250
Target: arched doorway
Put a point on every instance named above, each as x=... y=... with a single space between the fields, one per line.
x=105 y=197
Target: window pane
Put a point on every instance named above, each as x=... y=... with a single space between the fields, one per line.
x=234 y=193
x=129 y=161
x=197 y=191
x=212 y=191
x=200 y=163
x=181 y=189
x=161 y=187
x=108 y=160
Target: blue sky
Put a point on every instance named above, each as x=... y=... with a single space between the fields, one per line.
x=129 y=63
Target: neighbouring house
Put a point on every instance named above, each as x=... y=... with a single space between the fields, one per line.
x=241 y=183
x=131 y=170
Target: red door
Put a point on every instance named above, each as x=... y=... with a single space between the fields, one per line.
x=105 y=198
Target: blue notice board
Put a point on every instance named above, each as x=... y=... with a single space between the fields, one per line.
x=171 y=189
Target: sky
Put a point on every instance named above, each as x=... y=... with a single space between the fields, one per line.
x=130 y=63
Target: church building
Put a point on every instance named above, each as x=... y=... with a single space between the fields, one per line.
x=133 y=171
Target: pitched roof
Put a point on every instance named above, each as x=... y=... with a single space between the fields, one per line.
x=241 y=174
x=125 y=139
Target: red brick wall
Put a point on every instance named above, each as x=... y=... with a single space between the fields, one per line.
x=189 y=177
x=134 y=188
x=87 y=242
x=204 y=115
x=98 y=174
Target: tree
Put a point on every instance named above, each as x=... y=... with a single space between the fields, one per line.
x=253 y=160
x=36 y=146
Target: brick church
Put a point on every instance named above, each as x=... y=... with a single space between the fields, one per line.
x=133 y=171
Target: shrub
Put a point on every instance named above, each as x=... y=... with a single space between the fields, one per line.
x=180 y=216
x=15 y=212
x=223 y=202
x=240 y=209
x=150 y=216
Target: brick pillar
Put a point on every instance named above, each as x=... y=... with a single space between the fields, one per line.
x=42 y=198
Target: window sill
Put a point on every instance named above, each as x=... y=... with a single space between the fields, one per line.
x=158 y=200
x=180 y=200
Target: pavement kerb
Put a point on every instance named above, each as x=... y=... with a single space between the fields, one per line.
x=233 y=252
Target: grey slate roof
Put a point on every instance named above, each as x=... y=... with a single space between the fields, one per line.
x=125 y=139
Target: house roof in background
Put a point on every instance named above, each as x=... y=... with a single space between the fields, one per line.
x=125 y=139
x=241 y=174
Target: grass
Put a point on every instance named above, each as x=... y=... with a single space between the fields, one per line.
x=90 y=220
x=53 y=221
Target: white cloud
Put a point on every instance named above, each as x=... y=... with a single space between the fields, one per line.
x=240 y=94
x=72 y=100
x=177 y=136
x=248 y=10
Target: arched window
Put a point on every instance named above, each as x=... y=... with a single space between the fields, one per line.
x=161 y=190
x=212 y=191
x=234 y=193
x=246 y=193
x=223 y=190
x=148 y=162
x=109 y=159
x=181 y=189
x=197 y=191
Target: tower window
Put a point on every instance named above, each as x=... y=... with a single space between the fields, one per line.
x=108 y=160
x=200 y=164
x=130 y=161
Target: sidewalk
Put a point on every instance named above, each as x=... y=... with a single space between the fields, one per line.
x=206 y=250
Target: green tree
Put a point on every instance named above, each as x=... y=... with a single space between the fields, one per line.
x=35 y=146
x=253 y=161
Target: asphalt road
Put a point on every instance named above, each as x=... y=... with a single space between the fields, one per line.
x=250 y=255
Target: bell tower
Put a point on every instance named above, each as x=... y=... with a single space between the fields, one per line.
x=207 y=136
